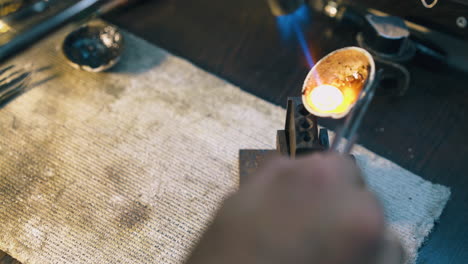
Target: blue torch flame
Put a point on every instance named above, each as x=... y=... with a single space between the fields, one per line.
x=291 y=26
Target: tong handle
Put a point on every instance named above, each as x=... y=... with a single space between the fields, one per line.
x=354 y=119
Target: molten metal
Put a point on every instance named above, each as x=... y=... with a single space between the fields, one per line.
x=326 y=98
x=332 y=87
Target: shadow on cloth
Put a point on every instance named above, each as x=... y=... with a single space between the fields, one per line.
x=137 y=60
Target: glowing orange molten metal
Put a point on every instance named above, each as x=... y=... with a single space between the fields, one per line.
x=326 y=98
x=332 y=87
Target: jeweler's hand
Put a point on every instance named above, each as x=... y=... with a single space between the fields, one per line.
x=313 y=210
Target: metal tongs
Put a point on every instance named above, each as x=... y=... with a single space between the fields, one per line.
x=354 y=118
x=13 y=42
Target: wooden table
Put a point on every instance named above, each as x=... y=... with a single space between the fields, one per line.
x=425 y=131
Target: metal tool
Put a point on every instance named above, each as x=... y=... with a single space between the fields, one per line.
x=28 y=34
x=27 y=11
x=284 y=7
x=301 y=134
x=13 y=82
x=354 y=118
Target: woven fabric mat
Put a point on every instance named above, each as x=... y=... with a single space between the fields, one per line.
x=129 y=166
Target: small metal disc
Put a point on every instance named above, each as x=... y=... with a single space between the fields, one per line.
x=94 y=47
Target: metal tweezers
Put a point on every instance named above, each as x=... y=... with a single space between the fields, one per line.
x=12 y=83
x=354 y=119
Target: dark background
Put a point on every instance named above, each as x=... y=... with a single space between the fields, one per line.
x=442 y=16
x=425 y=131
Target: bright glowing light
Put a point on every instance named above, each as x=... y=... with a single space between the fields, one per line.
x=4 y=27
x=326 y=98
x=331 y=10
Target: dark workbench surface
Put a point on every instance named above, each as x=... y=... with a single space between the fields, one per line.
x=425 y=131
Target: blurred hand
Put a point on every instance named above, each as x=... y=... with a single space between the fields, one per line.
x=312 y=210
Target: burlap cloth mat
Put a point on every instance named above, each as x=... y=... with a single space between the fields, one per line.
x=129 y=166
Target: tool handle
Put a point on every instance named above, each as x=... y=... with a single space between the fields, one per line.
x=114 y=4
x=354 y=119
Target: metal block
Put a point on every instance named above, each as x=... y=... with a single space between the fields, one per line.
x=300 y=136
